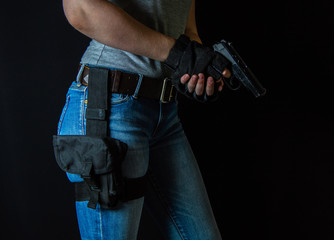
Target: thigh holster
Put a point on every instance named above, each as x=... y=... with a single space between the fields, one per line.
x=96 y=157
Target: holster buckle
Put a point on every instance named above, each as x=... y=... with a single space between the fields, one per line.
x=167 y=92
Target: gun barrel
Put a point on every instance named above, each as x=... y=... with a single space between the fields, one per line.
x=239 y=68
x=248 y=80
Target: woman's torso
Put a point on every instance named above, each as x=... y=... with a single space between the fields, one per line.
x=166 y=16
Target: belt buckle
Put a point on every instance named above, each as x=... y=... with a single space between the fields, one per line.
x=167 y=91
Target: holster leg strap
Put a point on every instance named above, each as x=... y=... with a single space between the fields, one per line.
x=132 y=188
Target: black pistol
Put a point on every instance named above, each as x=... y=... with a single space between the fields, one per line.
x=241 y=74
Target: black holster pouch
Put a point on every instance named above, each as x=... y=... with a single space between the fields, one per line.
x=96 y=157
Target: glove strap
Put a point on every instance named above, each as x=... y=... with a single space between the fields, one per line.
x=176 y=52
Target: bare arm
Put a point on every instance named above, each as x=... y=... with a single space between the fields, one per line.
x=191 y=27
x=197 y=82
x=110 y=25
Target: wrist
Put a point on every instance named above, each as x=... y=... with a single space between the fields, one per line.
x=193 y=36
x=168 y=45
x=173 y=58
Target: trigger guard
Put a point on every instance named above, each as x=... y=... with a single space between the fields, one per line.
x=230 y=82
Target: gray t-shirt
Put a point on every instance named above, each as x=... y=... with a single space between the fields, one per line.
x=166 y=16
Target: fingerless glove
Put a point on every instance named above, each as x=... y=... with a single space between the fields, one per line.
x=191 y=57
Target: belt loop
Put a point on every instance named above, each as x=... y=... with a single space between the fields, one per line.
x=135 y=94
x=82 y=67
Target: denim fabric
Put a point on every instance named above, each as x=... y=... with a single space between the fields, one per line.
x=176 y=197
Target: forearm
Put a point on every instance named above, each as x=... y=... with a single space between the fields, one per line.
x=110 y=25
x=191 y=27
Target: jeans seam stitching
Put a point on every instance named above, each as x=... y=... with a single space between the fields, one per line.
x=158 y=122
x=168 y=208
x=101 y=228
x=63 y=115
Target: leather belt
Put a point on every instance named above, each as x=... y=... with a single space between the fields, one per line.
x=126 y=83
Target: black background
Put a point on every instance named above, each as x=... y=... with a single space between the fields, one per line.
x=267 y=163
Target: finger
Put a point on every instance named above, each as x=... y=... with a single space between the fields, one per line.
x=227 y=73
x=220 y=84
x=192 y=83
x=210 y=86
x=199 y=89
x=185 y=78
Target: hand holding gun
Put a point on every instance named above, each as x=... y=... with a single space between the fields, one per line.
x=241 y=74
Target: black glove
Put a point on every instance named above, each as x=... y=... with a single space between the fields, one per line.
x=192 y=58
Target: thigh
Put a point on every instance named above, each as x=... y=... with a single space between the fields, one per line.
x=121 y=223
x=100 y=223
x=177 y=198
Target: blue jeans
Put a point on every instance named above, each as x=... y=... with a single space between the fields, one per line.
x=176 y=197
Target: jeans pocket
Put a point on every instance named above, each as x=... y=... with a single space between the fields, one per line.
x=72 y=119
x=118 y=98
x=63 y=112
